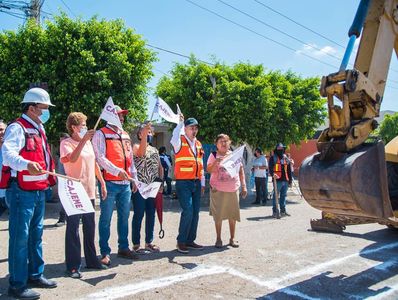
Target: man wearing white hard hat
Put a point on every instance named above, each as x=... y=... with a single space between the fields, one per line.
x=26 y=153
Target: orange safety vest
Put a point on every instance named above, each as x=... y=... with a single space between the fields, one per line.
x=118 y=151
x=278 y=167
x=187 y=165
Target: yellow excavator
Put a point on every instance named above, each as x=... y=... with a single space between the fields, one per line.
x=353 y=179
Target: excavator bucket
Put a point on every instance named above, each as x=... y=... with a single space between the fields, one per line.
x=354 y=185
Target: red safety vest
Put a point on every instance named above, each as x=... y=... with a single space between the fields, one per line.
x=33 y=150
x=187 y=165
x=278 y=167
x=118 y=151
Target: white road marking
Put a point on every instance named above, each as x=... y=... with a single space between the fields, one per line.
x=272 y=284
x=135 y=288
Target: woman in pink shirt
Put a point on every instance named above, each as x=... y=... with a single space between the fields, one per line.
x=224 y=195
x=78 y=158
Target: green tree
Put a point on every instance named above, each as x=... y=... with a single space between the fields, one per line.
x=83 y=62
x=251 y=105
x=388 y=128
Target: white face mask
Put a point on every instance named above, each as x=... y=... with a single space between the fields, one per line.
x=82 y=132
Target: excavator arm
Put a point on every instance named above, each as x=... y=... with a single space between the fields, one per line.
x=347 y=178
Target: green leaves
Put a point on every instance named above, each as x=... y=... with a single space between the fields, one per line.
x=250 y=105
x=83 y=62
x=389 y=128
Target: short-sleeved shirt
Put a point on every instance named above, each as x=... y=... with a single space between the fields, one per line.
x=84 y=167
x=260 y=161
x=220 y=178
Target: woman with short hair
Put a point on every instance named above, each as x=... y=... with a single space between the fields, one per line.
x=149 y=170
x=78 y=158
x=224 y=194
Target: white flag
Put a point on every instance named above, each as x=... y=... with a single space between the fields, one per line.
x=147 y=190
x=232 y=162
x=164 y=110
x=110 y=115
x=73 y=197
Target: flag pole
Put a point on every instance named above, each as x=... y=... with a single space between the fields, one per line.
x=153 y=111
x=60 y=175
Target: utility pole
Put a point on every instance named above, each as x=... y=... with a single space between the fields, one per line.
x=34 y=11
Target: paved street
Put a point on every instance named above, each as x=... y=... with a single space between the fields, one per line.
x=277 y=259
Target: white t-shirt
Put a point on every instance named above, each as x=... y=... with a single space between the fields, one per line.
x=260 y=161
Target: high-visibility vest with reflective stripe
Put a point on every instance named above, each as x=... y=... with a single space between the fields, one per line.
x=187 y=165
x=35 y=149
x=118 y=151
x=278 y=167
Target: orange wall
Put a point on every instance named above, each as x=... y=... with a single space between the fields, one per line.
x=299 y=153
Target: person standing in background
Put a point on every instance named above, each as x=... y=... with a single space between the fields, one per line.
x=260 y=169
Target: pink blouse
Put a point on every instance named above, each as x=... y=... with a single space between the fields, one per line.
x=220 y=178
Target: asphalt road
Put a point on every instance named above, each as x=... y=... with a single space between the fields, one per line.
x=277 y=259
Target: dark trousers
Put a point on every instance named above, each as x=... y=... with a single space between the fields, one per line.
x=167 y=180
x=72 y=241
x=261 y=189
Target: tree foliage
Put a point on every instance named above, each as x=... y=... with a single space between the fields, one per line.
x=250 y=105
x=388 y=128
x=83 y=62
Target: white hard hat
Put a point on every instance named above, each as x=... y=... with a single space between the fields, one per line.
x=37 y=95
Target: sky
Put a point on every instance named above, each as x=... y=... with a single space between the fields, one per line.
x=259 y=35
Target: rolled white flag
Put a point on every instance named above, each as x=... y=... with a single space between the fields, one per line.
x=74 y=197
x=110 y=115
x=232 y=162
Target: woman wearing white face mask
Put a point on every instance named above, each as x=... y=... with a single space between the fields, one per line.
x=78 y=157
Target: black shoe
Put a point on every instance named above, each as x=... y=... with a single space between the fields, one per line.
x=75 y=274
x=285 y=214
x=98 y=267
x=255 y=202
x=42 y=282
x=60 y=223
x=23 y=294
x=264 y=203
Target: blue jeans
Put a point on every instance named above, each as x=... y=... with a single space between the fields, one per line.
x=120 y=195
x=282 y=187
x=141 y=206
x=188 y=192
x=25 y=254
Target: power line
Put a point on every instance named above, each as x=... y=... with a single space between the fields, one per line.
x=259 y=34
x=66 y=5
x=299 y=24
x=178 y=54
x=280 y=31
x=305 y=27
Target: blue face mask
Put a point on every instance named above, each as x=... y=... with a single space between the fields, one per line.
x=45 y=115
x=149 y=139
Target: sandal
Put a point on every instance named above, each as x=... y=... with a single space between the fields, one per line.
x=218 y=244
x=137 y=249
x=106 y=260
x=152 y=248
x=233 y=244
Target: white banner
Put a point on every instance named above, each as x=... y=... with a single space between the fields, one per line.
x=73 y=197
x=232 y=162
x=164 y=110
x=147 y=190
x=109 y=113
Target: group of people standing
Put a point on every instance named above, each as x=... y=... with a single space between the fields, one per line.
x=280 y=168
x=107 y=158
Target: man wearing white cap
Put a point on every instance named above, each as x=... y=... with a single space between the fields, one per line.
x=26 y=153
